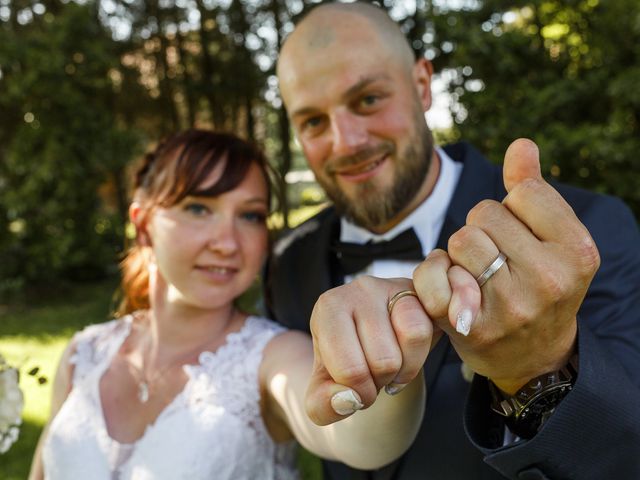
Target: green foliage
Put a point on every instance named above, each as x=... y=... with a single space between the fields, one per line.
x=16 y=462
x=62 y=144
x=83 y=86
x=34 y=335
x=562 y=73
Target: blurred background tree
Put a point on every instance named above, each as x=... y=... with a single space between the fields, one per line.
x=59 y=146
x=564 y=73
x=86 y=86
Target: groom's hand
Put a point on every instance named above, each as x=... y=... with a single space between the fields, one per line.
x=526 y=325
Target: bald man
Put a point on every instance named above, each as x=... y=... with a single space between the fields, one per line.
x=526 y=309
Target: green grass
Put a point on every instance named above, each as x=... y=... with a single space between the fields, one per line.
x=34 y=335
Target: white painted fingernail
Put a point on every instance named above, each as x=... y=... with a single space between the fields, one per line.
x=394 y=388
x=346 y=402
x=463 y=321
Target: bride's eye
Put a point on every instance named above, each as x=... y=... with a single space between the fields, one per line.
x=196 y=209
x=254 y=217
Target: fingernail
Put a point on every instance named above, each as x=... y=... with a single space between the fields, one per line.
x=346 y=402
x=467 y=373
x=394 y=388
x=463 y=321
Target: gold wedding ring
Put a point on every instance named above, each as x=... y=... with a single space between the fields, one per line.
x=398 y=296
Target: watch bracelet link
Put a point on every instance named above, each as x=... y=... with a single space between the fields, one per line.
x=526 y=411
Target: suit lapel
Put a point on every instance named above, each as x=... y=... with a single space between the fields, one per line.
x=479 y=180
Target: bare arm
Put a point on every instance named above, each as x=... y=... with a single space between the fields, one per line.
x=368 y=439
x=61 y=389
x=377 y=435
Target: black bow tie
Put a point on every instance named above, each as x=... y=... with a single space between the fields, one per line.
x=354 y=257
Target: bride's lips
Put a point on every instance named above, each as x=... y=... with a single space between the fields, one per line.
x=362 y=171
x=216 y=273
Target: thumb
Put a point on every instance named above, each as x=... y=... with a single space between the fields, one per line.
x=521 y=162
x=326 y=401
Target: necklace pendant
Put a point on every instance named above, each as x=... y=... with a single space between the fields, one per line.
x=143 y=392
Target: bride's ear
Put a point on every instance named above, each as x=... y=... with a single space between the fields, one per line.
x=139 y=220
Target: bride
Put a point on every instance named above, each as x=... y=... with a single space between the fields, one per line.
x=185 y=384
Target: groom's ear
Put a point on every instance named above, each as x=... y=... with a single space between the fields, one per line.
x=138 y=217
x=422 y=73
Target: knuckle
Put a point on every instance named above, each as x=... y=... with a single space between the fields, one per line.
x=326 y=300
x=467 y=291
x=436 y=301
x=588 y=254
x=553 y=282
x=550 y=280
x=417 y=335
x=480 y=212
x=459 y=241
x=388 y=365
x=421 y=270
x=437 y=255
x=525 y=190
x=530 y=186
x=363 y=281
x=353 y=375
x=466 y=243
x=437 y=260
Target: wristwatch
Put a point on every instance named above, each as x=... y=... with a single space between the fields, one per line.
x=526 y=411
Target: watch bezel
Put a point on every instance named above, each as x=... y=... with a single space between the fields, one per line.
x=533 y=404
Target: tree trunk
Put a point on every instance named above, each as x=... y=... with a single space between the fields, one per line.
x=250 y=122
x=207 y=64
x=283 y=128
x=187 y=80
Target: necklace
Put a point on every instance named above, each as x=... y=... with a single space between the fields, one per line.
x=144 y=382
x=143 y=391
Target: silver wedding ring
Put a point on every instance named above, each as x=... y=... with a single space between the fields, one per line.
x=491 y=269
x=398 y=296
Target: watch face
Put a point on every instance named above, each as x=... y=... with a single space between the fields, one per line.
x=533 y=404
x=534 y=415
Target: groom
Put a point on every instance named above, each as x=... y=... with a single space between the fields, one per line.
x=554 y=341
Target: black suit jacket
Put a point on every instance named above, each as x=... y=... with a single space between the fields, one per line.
x=594 y=433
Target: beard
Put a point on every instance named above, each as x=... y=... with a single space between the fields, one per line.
x=370 y=207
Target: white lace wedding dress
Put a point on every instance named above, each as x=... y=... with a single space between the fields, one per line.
x=211 y=430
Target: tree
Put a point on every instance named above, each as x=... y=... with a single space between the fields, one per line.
x=564 y=73
x=63 y=143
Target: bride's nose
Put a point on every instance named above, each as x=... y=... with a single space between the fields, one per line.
x=223 y=236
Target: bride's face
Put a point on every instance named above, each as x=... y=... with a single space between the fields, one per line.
x=208 y=250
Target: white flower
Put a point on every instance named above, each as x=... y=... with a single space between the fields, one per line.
x=11 y=405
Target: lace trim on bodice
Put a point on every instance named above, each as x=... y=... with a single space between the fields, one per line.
x=96 y=345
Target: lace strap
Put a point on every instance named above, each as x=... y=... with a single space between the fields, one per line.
x=230 y=375
x=96 y=344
